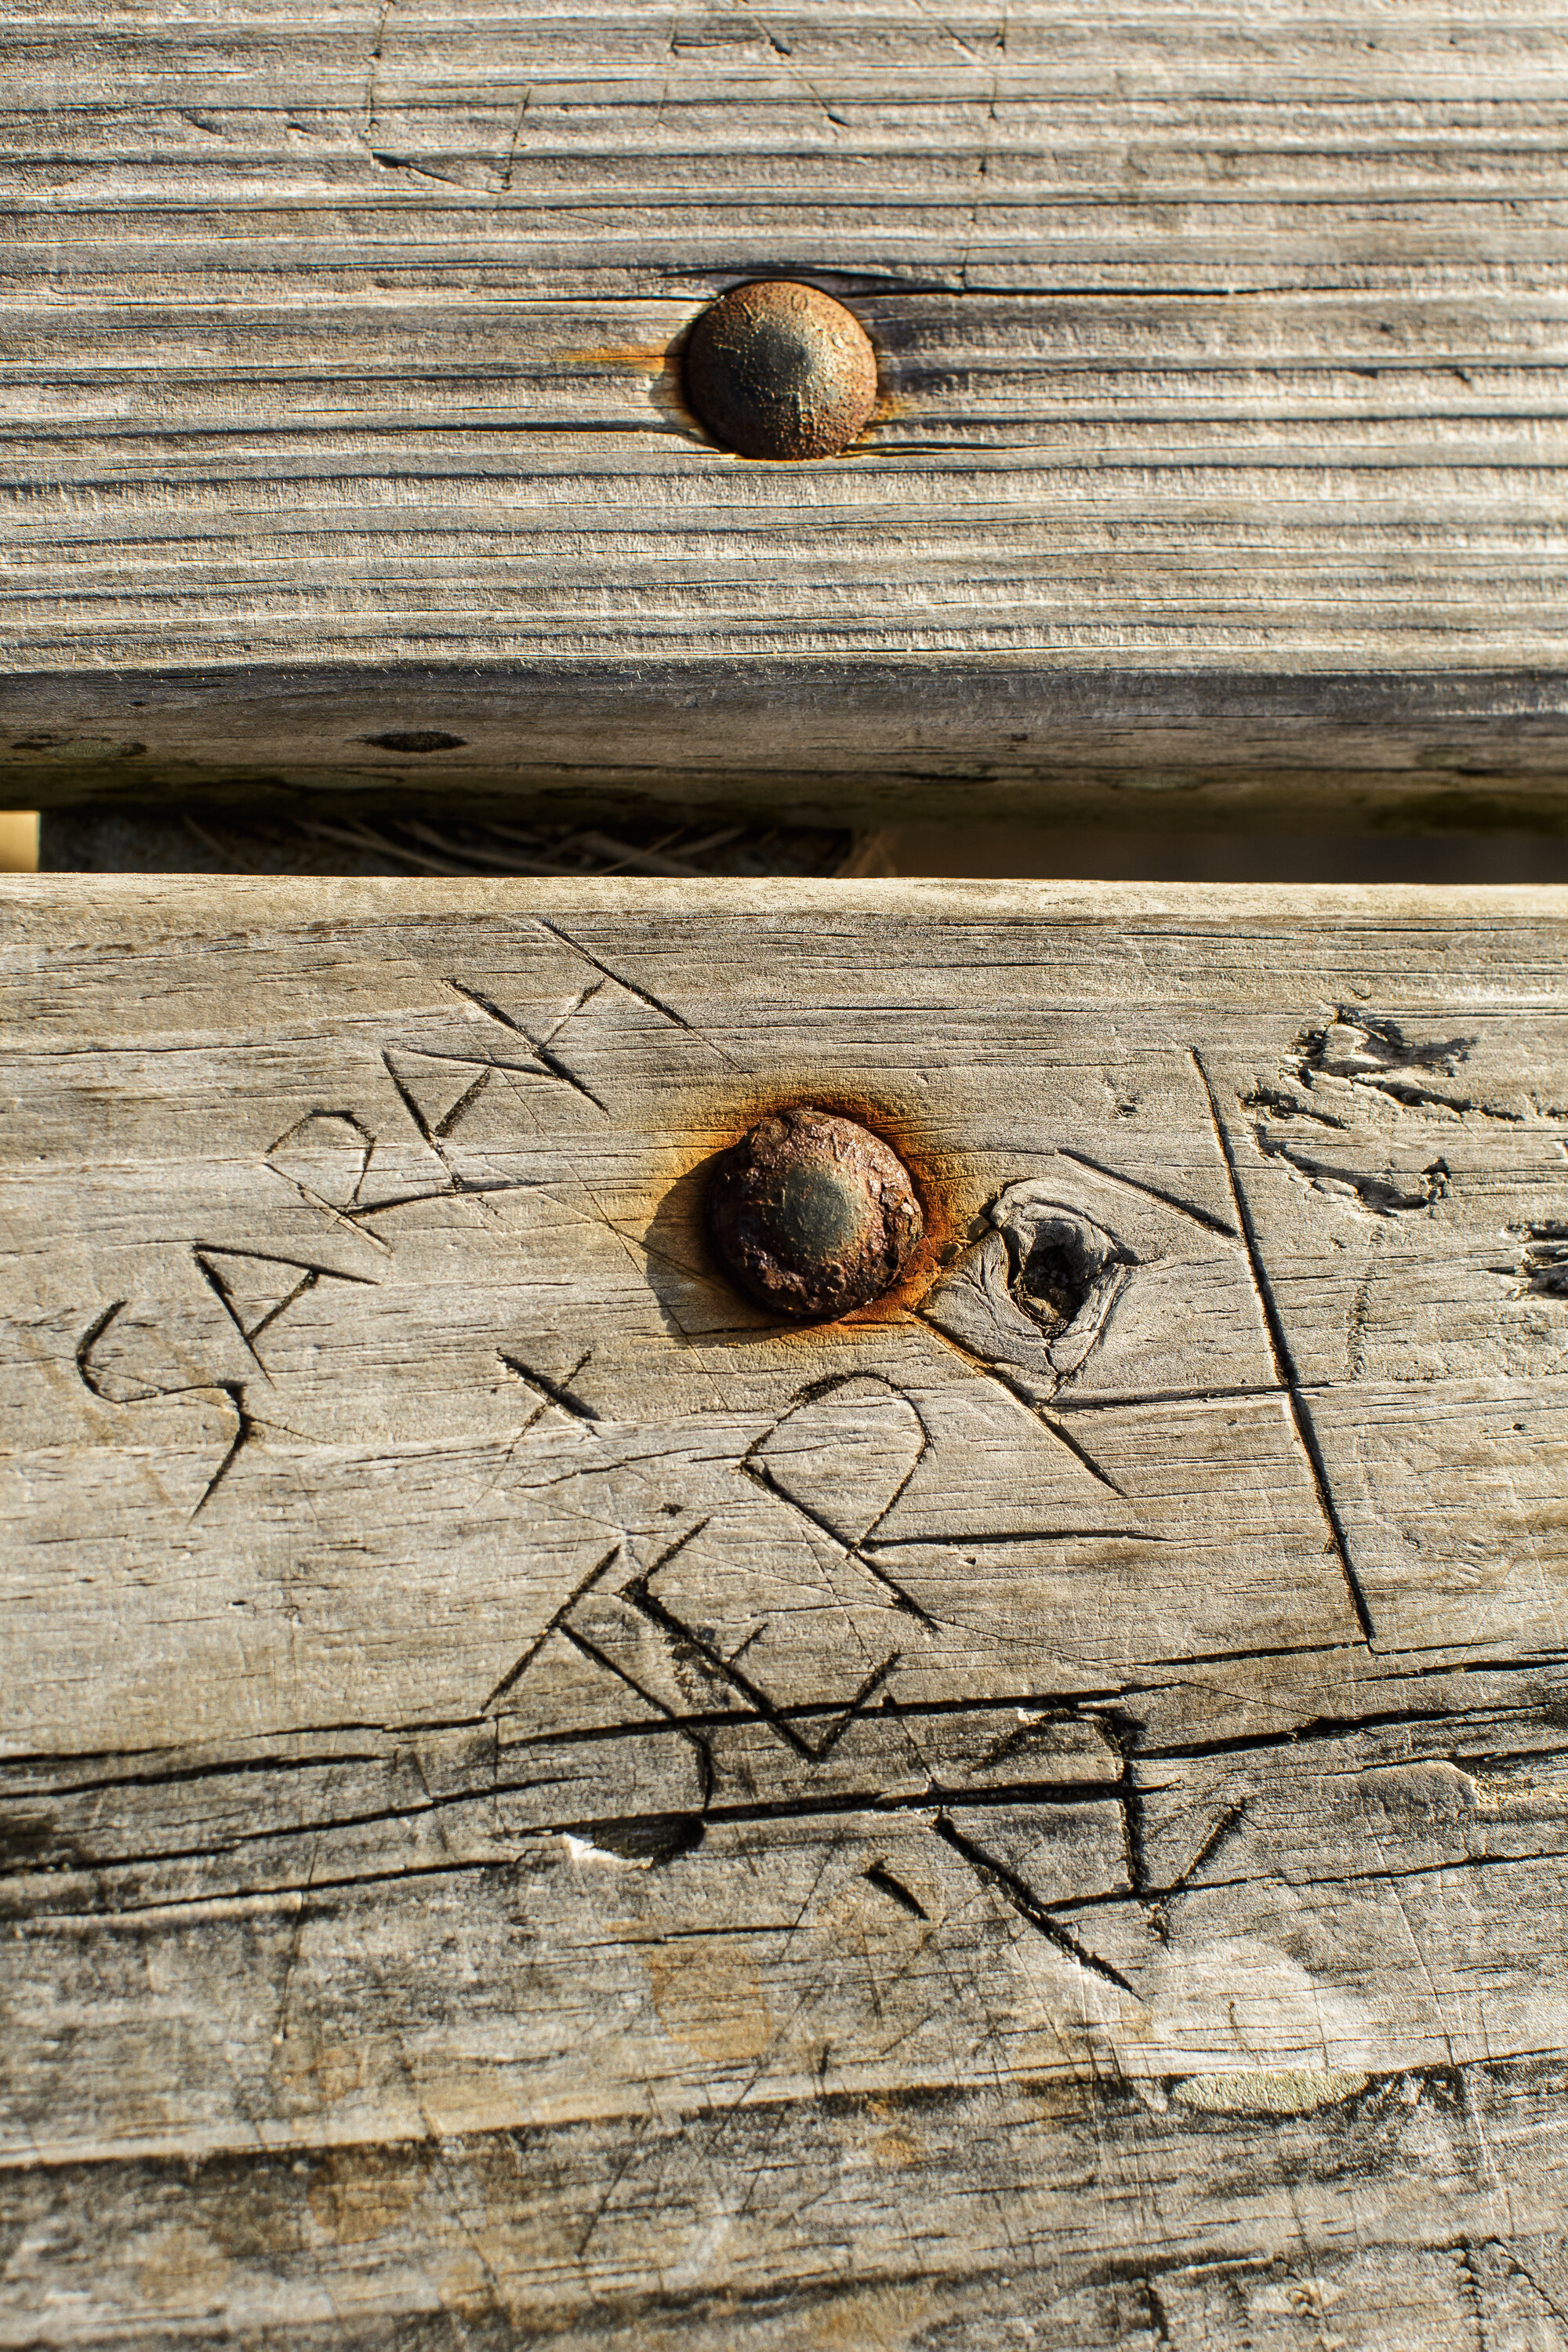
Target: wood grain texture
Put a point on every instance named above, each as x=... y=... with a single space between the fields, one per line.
x=539 y=1804
x=1223 y=357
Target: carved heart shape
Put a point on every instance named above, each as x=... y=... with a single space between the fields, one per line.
x=844 y=1455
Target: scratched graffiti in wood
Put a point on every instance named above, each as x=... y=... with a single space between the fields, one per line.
x=503 y=1734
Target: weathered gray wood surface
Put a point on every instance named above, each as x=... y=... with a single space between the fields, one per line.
x=536 y=1801
x=1223 y=427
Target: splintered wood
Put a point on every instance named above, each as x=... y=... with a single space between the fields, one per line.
x=538 y=1801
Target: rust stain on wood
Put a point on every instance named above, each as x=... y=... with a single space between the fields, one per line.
x=629 y=359
x=949 y=1189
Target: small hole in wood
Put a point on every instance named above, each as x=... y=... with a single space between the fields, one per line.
x=420 y=739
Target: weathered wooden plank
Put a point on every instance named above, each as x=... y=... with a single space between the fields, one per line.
x=1221 y=443
x=539 y=1800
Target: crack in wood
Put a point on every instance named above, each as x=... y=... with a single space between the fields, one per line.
x=643 y=995
x=1285 y=1363
x=551 y=1063
x=1036 y=1707
x=997 y=1374
x=877 y=1874
x=1027 y=1903
x=556 y=1392
x=245 y=1428
x=683 y=1637
x=1203 y=1217
x=514 y=1673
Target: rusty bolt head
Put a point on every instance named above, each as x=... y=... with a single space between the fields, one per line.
x=779 y=369
x=812 y=1214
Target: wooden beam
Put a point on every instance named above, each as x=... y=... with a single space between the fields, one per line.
x=1220 y=446
x=536 y=1797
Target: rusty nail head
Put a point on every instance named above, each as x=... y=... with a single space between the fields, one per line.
x=781 y=370
x=812 y=1214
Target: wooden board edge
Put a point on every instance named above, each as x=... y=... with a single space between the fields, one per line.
x=44 y=905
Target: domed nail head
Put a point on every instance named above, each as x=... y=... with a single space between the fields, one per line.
x=812 y=1214
x=781 y=370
